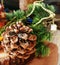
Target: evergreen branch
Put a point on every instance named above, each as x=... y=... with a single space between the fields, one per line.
x=3 y=28
x=52 y=15
x=38 y=28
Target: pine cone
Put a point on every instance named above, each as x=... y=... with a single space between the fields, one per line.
x=4 y=58
x=19 y=43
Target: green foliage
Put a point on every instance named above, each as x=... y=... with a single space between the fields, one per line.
x=38 y=11
x=40 y=30
x=18 y=14
x=50 y=7
x=30 y=7
x=42 y=50
x=38 y=14
x=42 y=34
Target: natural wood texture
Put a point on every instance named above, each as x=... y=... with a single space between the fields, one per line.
x=52 y=59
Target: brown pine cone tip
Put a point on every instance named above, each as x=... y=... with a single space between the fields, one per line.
x=18 y=42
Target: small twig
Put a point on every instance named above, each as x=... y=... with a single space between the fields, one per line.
x=55 y=19
x=9 y=22
x=3 y=28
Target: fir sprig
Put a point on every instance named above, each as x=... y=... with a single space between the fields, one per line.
x=39 y=30
x=18 y=14
x=42 y=35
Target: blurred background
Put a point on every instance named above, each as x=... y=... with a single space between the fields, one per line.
x=15 y=4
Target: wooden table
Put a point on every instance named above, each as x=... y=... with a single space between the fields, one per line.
x=56 y=40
